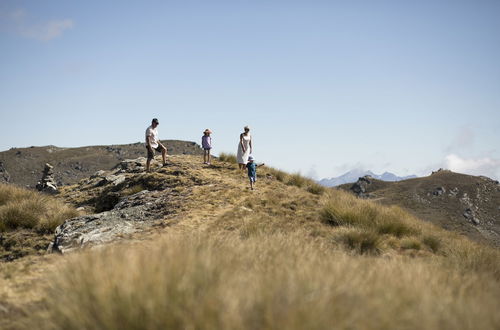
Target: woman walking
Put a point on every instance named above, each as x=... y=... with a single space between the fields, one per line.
x=244 y=148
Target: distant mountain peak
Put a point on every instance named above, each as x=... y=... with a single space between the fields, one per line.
x=353 y=175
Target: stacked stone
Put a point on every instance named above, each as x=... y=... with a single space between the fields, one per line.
x=4 y=175
x=47 y=183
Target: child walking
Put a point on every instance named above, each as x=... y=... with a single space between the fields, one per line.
x=252 y=171
x=206 y=144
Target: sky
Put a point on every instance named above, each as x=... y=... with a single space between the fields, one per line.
x=326 y=86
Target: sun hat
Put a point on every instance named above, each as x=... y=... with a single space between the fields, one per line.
x=207 y=131
x=250 y=158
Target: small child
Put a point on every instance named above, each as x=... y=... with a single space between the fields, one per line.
x=252 y=171
x=206 y=144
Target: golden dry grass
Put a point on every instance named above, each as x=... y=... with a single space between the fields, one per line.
x=22 y=208
x=267 y=281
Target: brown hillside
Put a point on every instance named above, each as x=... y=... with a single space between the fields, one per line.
x=469 y=205
x=25 y=165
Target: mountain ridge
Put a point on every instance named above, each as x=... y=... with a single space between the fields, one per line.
x=353 y=175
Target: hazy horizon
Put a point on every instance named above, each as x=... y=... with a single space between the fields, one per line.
x=326 y=86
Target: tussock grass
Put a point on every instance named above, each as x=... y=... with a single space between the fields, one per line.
x=432 y=242
x=343 y=209
x=296 y=180
x=364 y=242
x=411 y=244
x=227 y=157
x=262 y=282
x=22 y=208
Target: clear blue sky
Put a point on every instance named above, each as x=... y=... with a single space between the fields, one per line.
x=326 y=86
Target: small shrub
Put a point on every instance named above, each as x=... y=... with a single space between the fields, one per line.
x=227 y=157
x=364 y=242
x=432 y=242
x=411 y=244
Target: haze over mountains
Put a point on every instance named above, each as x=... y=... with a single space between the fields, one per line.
x=353 y=175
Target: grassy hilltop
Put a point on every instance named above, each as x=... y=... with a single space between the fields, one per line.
x=290 y=255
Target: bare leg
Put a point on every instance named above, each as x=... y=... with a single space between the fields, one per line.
x=148 y=163
x=164 y=156
x=251 y=184
x=209 y=158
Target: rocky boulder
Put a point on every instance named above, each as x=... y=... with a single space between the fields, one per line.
x=360 y=187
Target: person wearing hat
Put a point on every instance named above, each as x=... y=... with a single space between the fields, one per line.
x=244 y=148
x=153 y=143
x=206 y=144
x=252 y=171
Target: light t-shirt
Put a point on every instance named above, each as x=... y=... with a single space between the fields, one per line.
x=153 y=132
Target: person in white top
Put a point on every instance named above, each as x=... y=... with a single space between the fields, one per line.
x=153 y=143
x=244 y=148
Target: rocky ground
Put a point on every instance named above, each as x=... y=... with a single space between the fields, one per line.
x=463 y=203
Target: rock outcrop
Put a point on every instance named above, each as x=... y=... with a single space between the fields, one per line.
x=124 y=201
x=47 y=184
x=132 y=214
x=360 y=186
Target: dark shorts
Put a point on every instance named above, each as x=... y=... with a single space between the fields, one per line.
x=206 y=149
x=151 y=155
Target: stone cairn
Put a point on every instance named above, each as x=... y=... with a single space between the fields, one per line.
x=47 y=183
x=4 y=175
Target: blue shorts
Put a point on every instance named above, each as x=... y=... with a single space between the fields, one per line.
x=252 y=178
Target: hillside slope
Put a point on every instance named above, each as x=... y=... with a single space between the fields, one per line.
x=469 y=205
x=24 y=165
x=190 y=246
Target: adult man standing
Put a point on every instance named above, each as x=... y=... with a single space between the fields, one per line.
x=153 y=143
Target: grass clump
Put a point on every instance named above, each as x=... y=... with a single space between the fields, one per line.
x=343 y=209
x=227 y=157
x=432 y=242
x=22 y=208
x=316 y=188
x=279 y=175
x=411 y=244
x=364 y=242
x=297 y=180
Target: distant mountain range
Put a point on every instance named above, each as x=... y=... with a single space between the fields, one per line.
x=352 y=176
